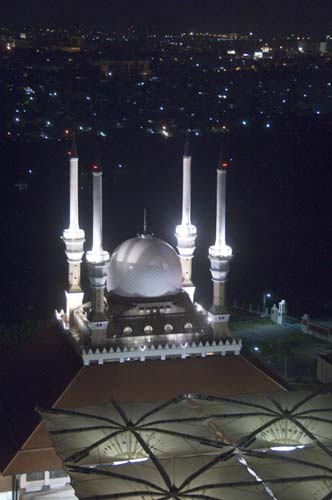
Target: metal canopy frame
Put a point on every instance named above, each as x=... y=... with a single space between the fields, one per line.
x=199 y=447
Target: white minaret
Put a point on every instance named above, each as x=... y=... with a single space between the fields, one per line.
x=74 y=239
x=98 y=262
x=220 y=255
x=186 y=232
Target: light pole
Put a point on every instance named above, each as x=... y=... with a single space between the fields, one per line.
x=266 y=296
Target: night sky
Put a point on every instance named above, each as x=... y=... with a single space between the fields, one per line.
x=267 y=16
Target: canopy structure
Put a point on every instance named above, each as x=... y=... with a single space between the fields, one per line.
x=199 y=448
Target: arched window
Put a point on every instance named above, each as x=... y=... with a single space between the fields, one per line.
x=168 y=328
x=127 y=330
x=188 y=326
x=148 y=329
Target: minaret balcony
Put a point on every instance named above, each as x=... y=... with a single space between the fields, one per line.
x=186 y=237
x=223 y=251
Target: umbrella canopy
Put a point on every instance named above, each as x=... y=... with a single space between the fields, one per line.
x=199 y=447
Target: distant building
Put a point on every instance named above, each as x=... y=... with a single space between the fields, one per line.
x=231 y=36
x=74 y=44
x=127 y=68
x=312 y=47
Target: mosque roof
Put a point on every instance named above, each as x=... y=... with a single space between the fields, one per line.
x=47 y=371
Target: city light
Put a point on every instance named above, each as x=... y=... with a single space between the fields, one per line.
x=146 y=97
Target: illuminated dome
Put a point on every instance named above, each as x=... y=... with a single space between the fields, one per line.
x=145 y=267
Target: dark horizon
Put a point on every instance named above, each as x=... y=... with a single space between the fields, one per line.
x=273 y=17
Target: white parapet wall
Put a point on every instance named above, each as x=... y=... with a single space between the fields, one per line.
x=145 y=352
x=46 y=485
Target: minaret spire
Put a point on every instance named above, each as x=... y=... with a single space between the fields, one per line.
x=220 y=254
x=222 y=166
x=74 y=146
x=98 y=262
x=74 y=239
x=186 y=232
x=187 y=149
x=73 y=218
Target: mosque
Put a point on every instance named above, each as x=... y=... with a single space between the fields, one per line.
x=142 y=295
x=139 y=337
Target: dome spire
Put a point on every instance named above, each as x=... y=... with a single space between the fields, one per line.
x=146 y=233
x=145 y=229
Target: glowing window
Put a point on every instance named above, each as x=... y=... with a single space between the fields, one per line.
x=127 y=330
x=188 y=326
x=148 y=329
x=168 y=328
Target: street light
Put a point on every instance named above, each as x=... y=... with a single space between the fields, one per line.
x=267 y=296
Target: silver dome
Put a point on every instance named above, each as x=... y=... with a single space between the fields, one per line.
x=144 y=267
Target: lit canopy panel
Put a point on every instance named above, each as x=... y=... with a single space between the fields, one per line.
x=199 y=448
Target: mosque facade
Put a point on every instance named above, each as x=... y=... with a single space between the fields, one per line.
x=142 y=301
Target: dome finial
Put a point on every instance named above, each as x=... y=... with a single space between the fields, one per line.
x=145 y=228
x=146 y=233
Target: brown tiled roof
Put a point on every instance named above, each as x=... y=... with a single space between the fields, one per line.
x=155 y=380
x=5 y=483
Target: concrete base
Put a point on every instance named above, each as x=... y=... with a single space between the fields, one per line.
x=219 y=322
x=52 y=494
x=98 y=331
